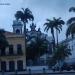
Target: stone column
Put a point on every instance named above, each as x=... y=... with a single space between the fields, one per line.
x=24 y=64
x=15 y=64
x=7 y=65
x=15 y=49
x=7 y=51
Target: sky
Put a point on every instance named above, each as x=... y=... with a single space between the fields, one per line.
x=41 y=9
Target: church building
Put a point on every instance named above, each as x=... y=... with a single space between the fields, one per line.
x=14 y=57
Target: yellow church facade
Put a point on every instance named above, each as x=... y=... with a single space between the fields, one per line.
x=14 y=57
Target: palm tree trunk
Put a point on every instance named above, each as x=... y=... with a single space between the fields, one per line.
x=53 y=42
x=72 y=43
x=57 y=36
x=25 y=41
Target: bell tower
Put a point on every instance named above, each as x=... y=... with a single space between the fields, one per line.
x=17 y=27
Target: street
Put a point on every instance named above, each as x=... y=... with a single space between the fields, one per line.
x=56 y=74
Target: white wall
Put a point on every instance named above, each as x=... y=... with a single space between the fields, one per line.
x=71 y=45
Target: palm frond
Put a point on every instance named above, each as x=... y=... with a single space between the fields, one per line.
x=30 y=17
x=58 y=29
x=23 y=9
x=46 y=24
x=19 y=15
x=72 y=9
x=61 y=22
x=28 y=14
x=71 y=20
x=24 y=15
x=70 y=30
x=27 y=10
x=48 y=20
x=46 y=29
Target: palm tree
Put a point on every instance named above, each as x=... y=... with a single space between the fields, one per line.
x=60 y=54
x=25 y=15
x=71 y=26
x=58 y=23
x=49 y=25
x=3 y=41
x=70 y=30
x=54 y=24
x=72 y=9
x=36 y=48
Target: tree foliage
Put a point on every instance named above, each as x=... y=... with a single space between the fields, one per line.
x=71 y=24
x=37 y=48
x=24 y=15
x=3 y=40
x=54 y=24
x=72 y=9
x=70 y=30
x=62 y=51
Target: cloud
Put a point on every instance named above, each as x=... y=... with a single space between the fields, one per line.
x=41 y=9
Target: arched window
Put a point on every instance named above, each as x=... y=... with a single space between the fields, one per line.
x=11 y=65
x=3 y=66
x=18 y=31
x=19 y=48
x=11 y=49
x=20 y=65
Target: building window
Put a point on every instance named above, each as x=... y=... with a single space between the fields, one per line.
x=20 y=65
x=18 y=31
x=19 y=49
x=2 y=52
x=3 y=66
x=11 y=66
x=11 y=49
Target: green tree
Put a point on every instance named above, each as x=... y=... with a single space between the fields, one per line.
x=61 y=52
x=58 y=26
x=49 y=25
x=54 y=24
x=36 y=48
x=70 y=30
x=71 y=24
x=72 y=9
x=3 y=40
x=25 y=15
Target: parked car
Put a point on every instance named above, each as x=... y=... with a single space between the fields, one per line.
x=65 y=66
x=68 y=66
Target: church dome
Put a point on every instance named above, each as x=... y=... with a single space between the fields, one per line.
x=17 y=26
